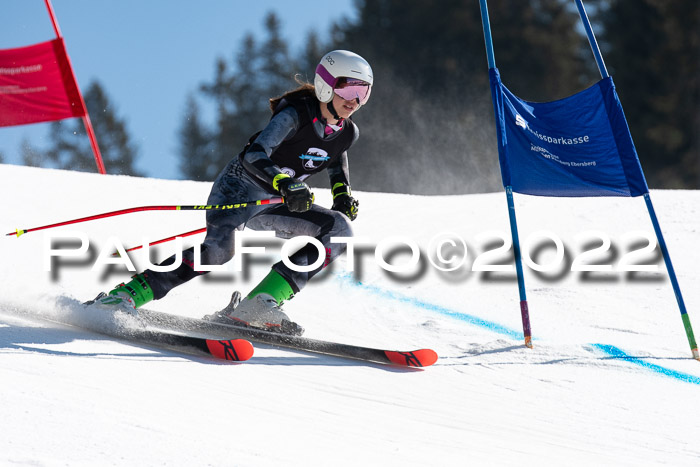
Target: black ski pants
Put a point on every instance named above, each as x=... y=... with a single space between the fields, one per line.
x=233 y=186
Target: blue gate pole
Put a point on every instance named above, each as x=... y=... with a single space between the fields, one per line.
x=647 y=199
x=591 y=39
x=524 y=311
x=674 y=280
x=486 y=24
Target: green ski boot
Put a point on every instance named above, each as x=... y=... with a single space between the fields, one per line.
x=129 y=296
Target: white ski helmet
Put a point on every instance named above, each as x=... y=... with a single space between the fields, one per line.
x=339 y=64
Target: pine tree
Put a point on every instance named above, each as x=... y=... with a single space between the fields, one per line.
x=240 y=94
x=71 y=147
x=540 y=49
x=309 y=57
x=195 y=146
x=250 y=109
x=276 y=67
x=222 y=137
x=31 y=156
x=652 y=50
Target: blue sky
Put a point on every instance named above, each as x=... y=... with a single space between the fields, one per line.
x=149 y=55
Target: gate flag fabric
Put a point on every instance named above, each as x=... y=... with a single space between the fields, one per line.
x=37 y=85
x=576 y=146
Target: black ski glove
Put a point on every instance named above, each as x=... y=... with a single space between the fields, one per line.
x=297 y=195
x=344 y=202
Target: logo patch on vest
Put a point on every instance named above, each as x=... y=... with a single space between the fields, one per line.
x=314 y=158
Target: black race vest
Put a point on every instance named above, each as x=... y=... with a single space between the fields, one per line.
x=306 y=153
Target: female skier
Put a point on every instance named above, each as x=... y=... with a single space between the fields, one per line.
x=310 y=130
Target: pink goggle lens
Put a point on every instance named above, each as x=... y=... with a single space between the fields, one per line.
x=354 y=89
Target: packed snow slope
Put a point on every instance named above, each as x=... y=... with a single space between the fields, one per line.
x=610 y=380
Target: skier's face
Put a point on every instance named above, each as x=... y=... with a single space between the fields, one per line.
x=344 y=107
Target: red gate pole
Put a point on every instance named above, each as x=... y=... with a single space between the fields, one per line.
x=86 y=116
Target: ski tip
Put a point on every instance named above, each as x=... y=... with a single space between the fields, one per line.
x=238 y=350
x=415 y=358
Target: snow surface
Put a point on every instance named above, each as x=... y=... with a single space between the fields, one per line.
x=610 y=380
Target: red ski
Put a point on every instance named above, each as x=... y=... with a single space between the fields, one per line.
x=413 y=358
x=418 y=358
x=237 y=350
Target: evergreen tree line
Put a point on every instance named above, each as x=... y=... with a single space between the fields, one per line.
x=429 y=127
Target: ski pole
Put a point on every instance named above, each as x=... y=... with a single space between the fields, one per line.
x=206 y=207
x=163 y=240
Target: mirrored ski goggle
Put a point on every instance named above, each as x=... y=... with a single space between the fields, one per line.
x=351 y=89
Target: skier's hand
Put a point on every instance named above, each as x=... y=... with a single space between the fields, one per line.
x=297 y=195
x=344 y=202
